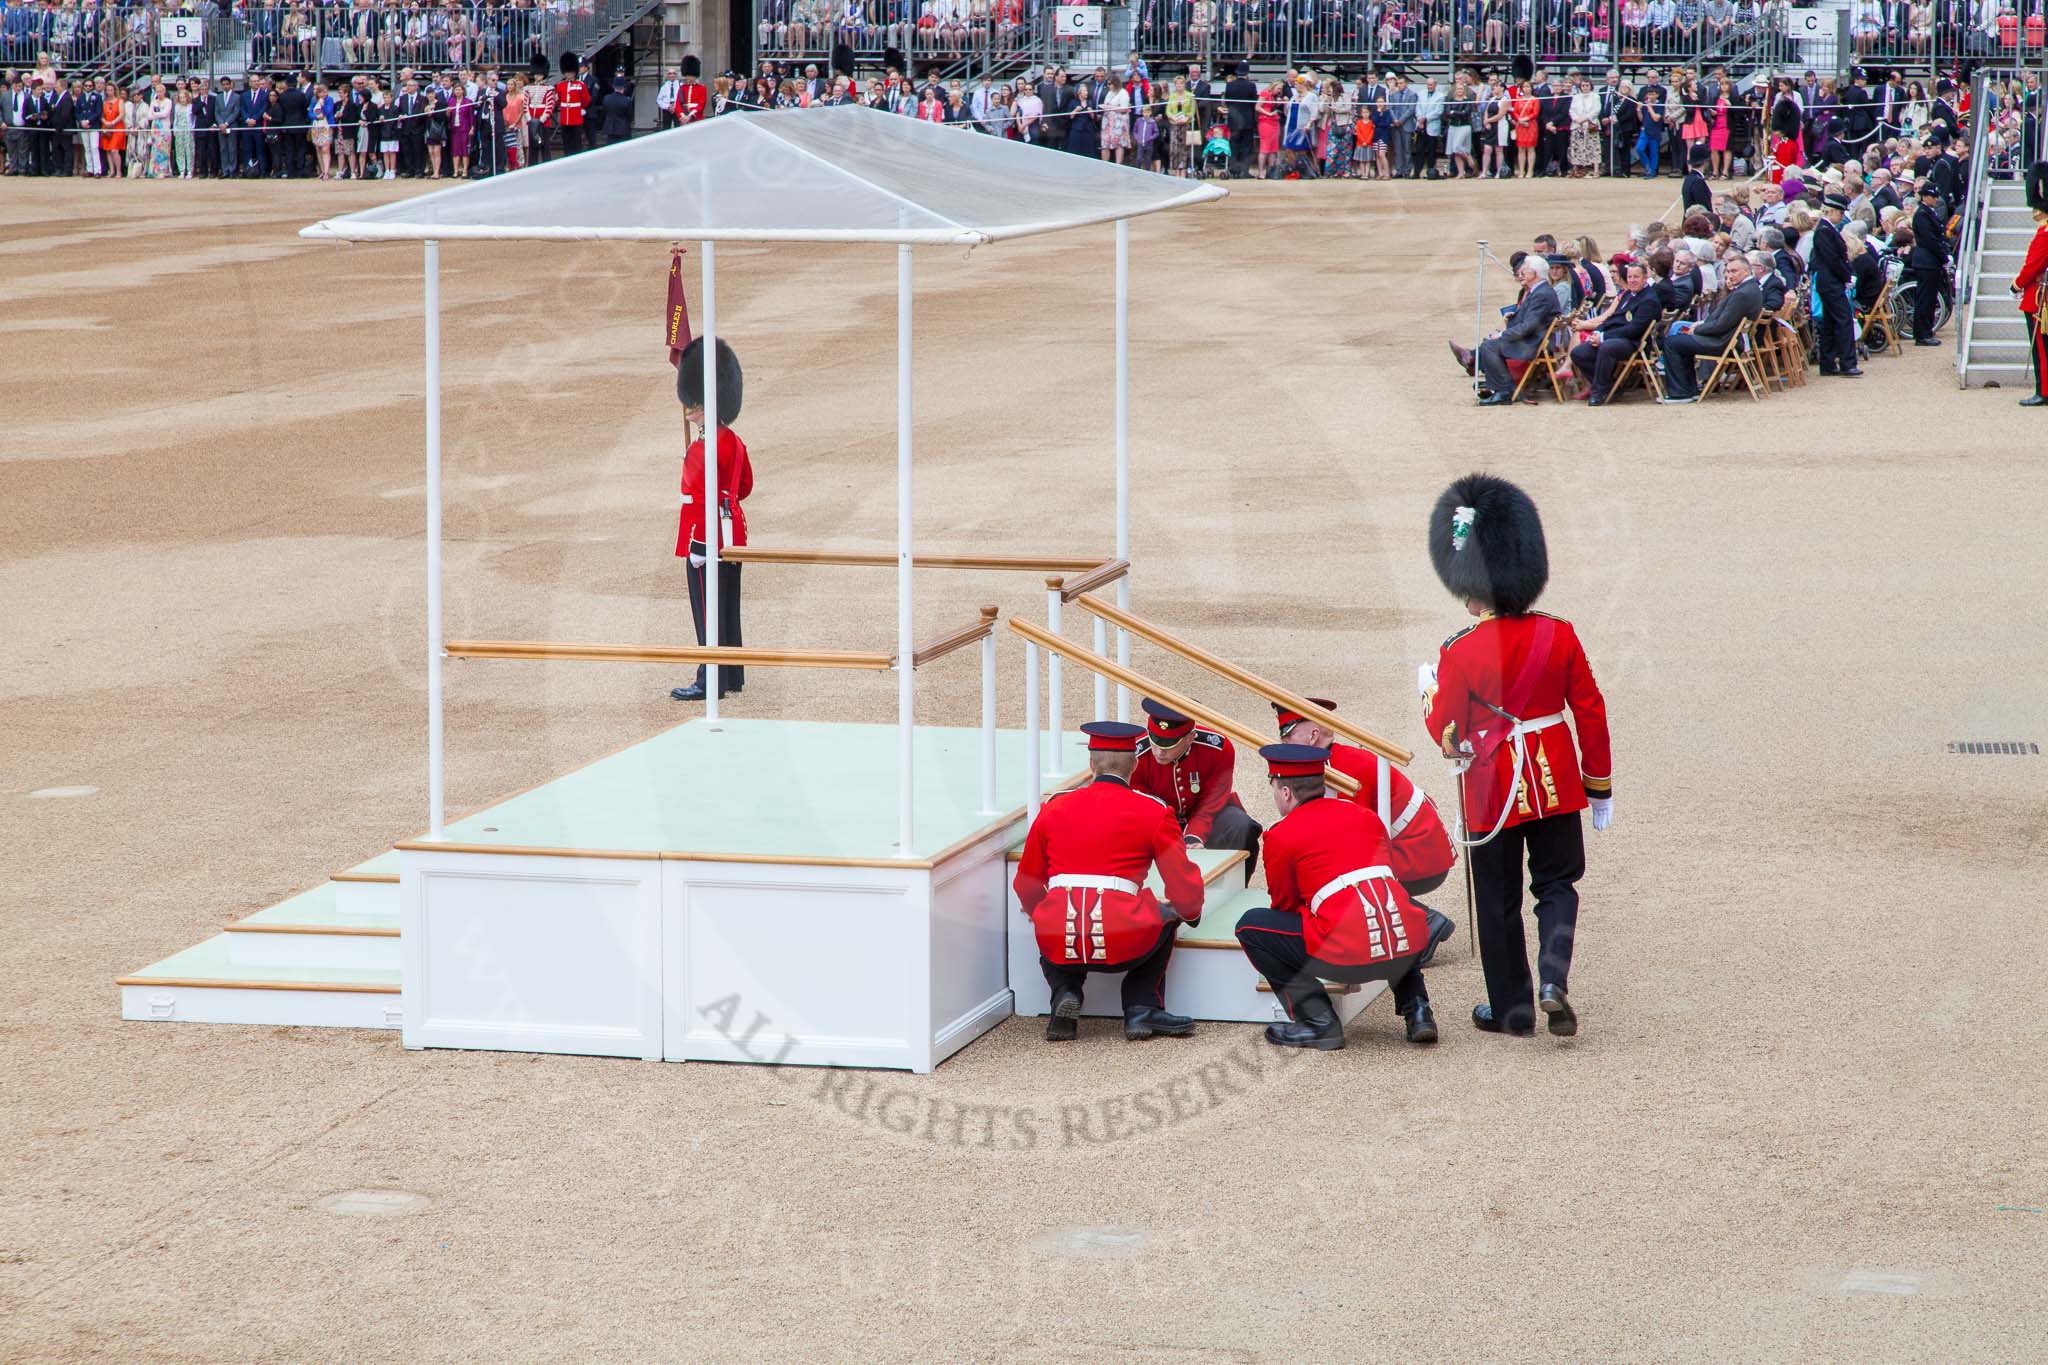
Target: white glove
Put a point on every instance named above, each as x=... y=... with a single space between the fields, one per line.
x=1425 y=679
x=1603 y=811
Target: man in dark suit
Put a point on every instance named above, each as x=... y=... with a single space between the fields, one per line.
x=1241 y=117
x=1613 y=160
x=1890 y=98
x=618 y=113
x=1743 y=302
x=1928 y=262
x=250 y=152
x=205 y=152
x=1835 y=325
x=1694 y=192
x=1518 y=340
x=1616 y=334
x=1859 y=111
x=227 y=117
x=61 y=129
x=412 y=132
x=294 y=111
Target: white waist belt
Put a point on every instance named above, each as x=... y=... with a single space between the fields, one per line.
x=688 y=498
x=1083 y=882
x=1348 y=879
x=1415 y=799
x=1530 y=727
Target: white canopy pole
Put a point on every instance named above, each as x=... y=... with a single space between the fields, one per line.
x=707 y=492
x=906 y=673
x=1123 y=448
x=436 y=758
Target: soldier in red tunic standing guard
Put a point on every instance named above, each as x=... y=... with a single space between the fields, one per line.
x=1081 y=882
x=1337 y=914
x=1497 y=701
x=734 y=482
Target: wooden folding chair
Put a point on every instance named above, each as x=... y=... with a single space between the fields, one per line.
x=1552 y=354
x=1737 y=360
x=1792 y=353
x=1882 y=315
x=1642 y=364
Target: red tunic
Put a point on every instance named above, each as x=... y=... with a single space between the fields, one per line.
x=735 y=482
x=1422 y=846
x=1103 y=831
x=1329 y=862
x=572 y=98
x=2028 y=282
x=691 y=97
x=1194 y=788
x=1532 y=667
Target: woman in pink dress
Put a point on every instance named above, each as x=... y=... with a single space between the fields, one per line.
x=462 y=118
x=1717 y=139
x=1269 y=128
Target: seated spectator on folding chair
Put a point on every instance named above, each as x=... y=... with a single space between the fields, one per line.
x=1774 y=286
x=1710 y=336
x=1616 y=334
x=1518 y=340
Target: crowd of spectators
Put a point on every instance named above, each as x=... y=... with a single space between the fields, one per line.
x=468 y=123
x=1812 y=260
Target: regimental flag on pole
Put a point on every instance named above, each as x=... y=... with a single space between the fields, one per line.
x=677 y=324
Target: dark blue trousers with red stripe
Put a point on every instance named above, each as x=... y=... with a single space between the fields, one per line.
x=1144 y=977
x=1272 y=940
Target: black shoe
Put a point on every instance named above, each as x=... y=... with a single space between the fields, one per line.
x=2037 y=401
x=1061 y=1026
x=1930 y=341
x=1421 y=1023
x=1440 y=928
x=1143 y=1021
x=1497 y=400
x=1552 y=1002
x=1849 y=374
x=1323 y=1034
x=1483 y=1020
x=694 y=692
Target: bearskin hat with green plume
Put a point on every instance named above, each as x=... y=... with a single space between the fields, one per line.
x=1486 y=541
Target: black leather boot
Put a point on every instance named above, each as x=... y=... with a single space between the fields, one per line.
x=1143 y=1021
x=1421 y=1022
x=1063 y=1023
x=1314 y=1026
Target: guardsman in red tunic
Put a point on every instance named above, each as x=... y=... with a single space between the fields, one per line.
x=1497 y=702
x=1422 y=853
x=2029 y=284
x=693 y=100
x=735 y=482
x=1081 y=881
x=1194 y=771
x=572 y=98
x=1338 y=912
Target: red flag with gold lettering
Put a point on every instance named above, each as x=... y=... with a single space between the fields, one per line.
x=677 y=326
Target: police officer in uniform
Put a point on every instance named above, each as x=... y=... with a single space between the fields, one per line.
x=1928 y=260
x=1496 y=702
x=1837 y=322
x=1081 y=883
x=1422 y=854
x=1193 y=772
x=1337 y=912
x=734 y=482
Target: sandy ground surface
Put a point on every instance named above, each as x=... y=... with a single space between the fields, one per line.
x=1803 y=1116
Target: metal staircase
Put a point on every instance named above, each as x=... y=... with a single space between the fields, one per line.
x=1992 y=336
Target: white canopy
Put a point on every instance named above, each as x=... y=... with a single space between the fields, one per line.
x=836 y=174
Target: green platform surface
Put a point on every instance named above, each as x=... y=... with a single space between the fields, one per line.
x=320 y=908
x=209 y=961
x=1222 y=910
x=803 y=788
x=385 y=864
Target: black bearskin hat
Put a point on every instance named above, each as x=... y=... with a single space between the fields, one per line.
x=539 y=66
x=690 y=380
x=692 y=67
x=2037 y=186
x=1487 y=544
x=571 y=63
x=892 y=60
x=1522 y=68
x=842 y=60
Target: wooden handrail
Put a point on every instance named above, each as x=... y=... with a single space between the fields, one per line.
x=1251 y=682
x=670 y=654
x=1101 y=576
x=959 y=639
x=765 y=554
x=1138 y=682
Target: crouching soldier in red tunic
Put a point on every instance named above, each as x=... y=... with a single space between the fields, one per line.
x=1422 y=853
x=1081 y=882
x=1496 y=701
x=1194 y=772
x=1338 y=914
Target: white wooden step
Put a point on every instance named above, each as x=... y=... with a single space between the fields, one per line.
x=205 y=985
x=310 y=930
